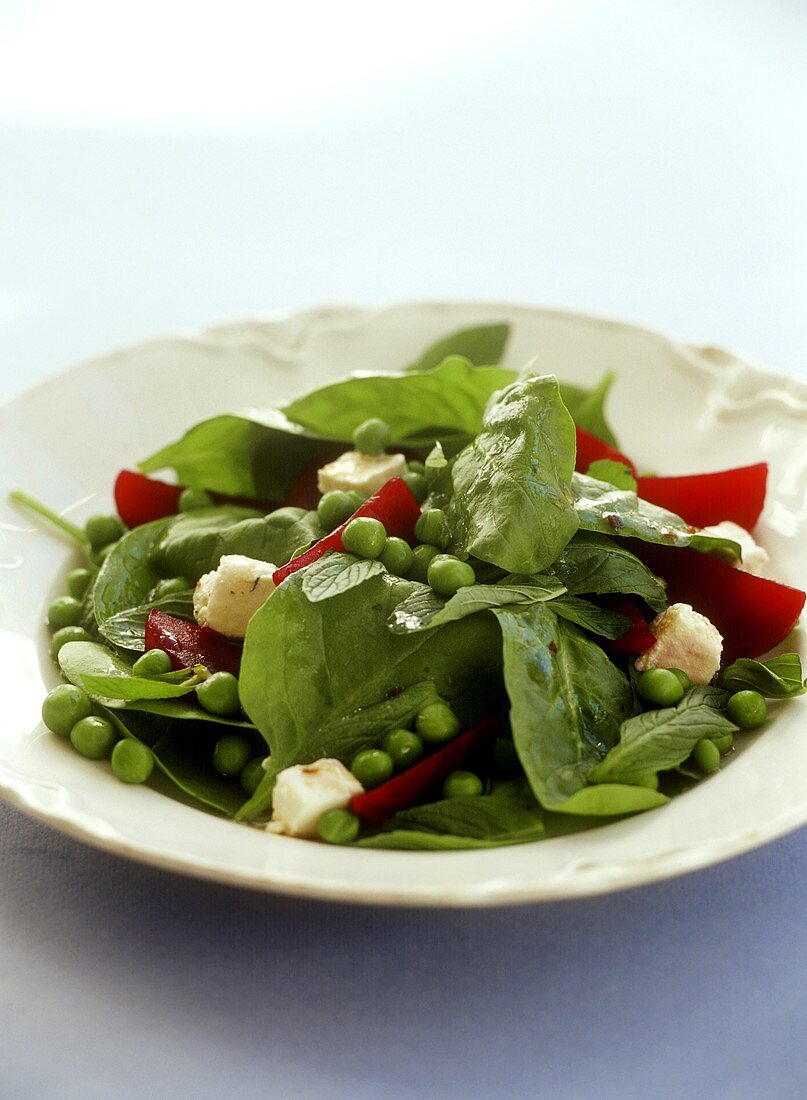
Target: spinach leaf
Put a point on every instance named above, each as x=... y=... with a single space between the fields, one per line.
x=195 y=542
x=446 y=403
x=612 y=800
x=423 y=609
x=335 y=573
x=127 y=577
x=483 y=345
x=594 y=565
x=597 y=620
x=127 y=629
x=310 y=670
x=614 y=473
x=662 y=739
x=601 y=507
x=778 y=678
x=511 y=502
x=567 y=700
x=183 y=754
x=507 y=815
x=413 y=841
x=587 y=407
x=83 y=662
x=117 y=685
x=255 y=453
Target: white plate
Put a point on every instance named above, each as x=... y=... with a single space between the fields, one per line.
x=676 y=409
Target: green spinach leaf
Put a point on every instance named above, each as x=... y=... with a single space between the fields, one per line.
x=483 y=345
x=587 y=407
x=662 y=739
x=595 y=565
x=310 y=669
x=600 y=507
x=195 y=542
x=511 y=502
x=614 y=473
x=256 y=453
x=446 y=403
x=127 y=577
x=779 y=678
x=508 y=815
x=423 y=609
x=597 y=620
x=612 y=800
x=567 y=700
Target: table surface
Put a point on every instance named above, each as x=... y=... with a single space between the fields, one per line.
x=635 y=159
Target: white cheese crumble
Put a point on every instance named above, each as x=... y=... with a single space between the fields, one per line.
x=226 y=599
x=685 y=639
x=364 y=473
x=304 y=792
x=755 y=557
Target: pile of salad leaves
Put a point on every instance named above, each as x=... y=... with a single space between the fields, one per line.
x=344 y=651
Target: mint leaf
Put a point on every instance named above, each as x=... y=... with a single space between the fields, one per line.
x=335 y=573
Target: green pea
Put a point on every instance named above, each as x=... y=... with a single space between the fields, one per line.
x=397 y=556
x=432 y=526
x=706 y=755
x=335 y=508
x=421 y=556
x=723 y=741
x=67 y=634
x=338 y=826
x=231 y=754
x=99 y=556
x=78 y=581
x=461 y=784
x=154 y=662
x=747 y=709
x=171 y=586
x=437 y=723
x=506 y=763
x=102 y=530
x=192 y=499
x=371 y=436
x=364 y=537
x=416 y=467
x=371 y=767
x=251 y=774
x=218 y=694
x=64 y=611
x=132 y=761
x=447 y=575
x=93 y=737
x=417 y=485
x=660 y=687
x=63 y=707
x=403 y=746
x=683 y=679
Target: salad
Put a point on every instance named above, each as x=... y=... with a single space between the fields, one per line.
x=431 y=609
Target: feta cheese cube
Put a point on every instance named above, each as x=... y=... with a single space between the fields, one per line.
x=755 y=557
x=364 y=473
x=226 y=599
x=305 y=791
x=685 y=639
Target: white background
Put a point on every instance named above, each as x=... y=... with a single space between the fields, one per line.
x=167 y=165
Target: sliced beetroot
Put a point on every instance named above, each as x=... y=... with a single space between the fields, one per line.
x=753 y=614
x=638 y=638
x=423 y=780
x=703 y=499
x=140 y=499
x=393 y=504
x=189 y=644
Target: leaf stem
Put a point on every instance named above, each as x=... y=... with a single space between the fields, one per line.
x=31 y=504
